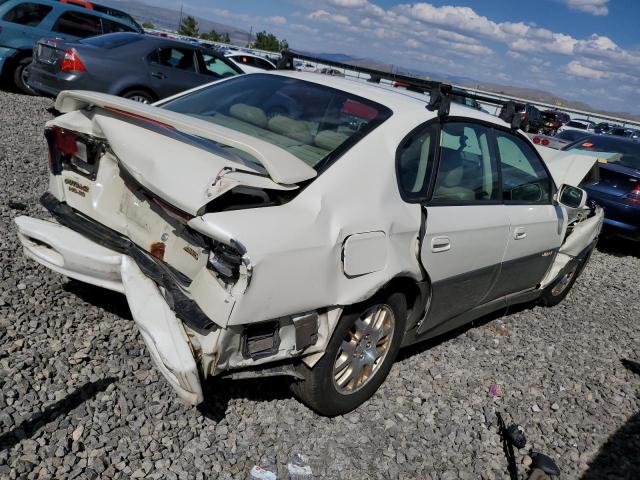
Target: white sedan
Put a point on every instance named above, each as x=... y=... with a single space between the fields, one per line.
x=306 y=225
x=249 y=62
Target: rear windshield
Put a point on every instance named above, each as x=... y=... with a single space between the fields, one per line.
x=308 y=120
x=629 y=149
x=113 y=40
x=576 y=125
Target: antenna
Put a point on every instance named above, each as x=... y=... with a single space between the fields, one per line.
x=181 y=10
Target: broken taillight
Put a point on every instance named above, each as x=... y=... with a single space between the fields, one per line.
x=634 y=195
x=71 y=62
x=66 y=142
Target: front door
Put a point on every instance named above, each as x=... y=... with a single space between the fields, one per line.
x=535 y=231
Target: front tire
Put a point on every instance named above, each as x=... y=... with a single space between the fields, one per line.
x=357 y=359
x=557 y=291
x=21 y=76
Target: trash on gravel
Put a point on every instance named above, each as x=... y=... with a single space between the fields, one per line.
x=260 y=473
x=488 y=416
x=17 y=205
x=298 y=468
x=495 y=390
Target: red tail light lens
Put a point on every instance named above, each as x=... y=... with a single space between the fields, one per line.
x=66 y=142
x=71 y=62
x=536 y=140
x=545 y=142
x=634 y=195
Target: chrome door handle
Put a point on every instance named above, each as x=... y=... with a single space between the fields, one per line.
x=440 y=244
x=519 y=233
x=159 y=75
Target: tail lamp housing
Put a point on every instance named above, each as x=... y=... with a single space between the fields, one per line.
x=71 y=62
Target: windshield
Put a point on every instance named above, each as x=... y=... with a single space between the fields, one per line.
x=308 y=120
x=629 y=150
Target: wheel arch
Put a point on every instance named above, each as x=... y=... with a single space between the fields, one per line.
x=123 y=90
x=7 y=67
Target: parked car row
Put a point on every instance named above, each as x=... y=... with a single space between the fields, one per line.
x=132 y=65
x=23 y=23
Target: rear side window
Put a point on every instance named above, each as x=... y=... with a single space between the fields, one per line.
x=29 y=14
x=467 y=171
x=263 y=64
x=415 y=160
x=78 y=24
x=524 y=178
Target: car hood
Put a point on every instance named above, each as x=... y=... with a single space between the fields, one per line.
x=567 y=168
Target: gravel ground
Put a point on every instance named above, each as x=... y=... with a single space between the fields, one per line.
x=81 y=399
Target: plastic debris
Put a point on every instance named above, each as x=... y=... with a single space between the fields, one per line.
x=260 y=473
x=17 y=205
x=495 y=390
x=298 y=468
x=488 y=416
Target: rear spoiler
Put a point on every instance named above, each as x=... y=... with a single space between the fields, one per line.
x=283 y=167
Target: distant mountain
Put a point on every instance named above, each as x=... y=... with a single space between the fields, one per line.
x=170 y=19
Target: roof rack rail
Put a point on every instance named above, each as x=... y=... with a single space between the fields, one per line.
x=441 y=93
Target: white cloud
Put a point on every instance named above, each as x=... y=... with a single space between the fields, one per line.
x=579 y=70
x=299 y=27
x=594 y=7
x=412 y=43
x=324 y=16
x=349 y=3
x=277 y=20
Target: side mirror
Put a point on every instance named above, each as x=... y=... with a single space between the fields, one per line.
x=572 y=197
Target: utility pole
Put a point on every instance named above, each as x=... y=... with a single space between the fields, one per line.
x=181 y=10
x=250 y=35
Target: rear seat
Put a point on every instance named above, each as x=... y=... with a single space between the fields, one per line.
x=294 y=135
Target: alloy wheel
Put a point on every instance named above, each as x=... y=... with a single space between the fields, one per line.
x=363 y=349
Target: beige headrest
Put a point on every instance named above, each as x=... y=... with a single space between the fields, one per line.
x=249 y=114
x=291 y=128
x=330 y=140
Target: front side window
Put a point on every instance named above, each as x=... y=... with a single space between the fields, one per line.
x=29 y=14
x=217 y=67
x=415 y=161
x=308 y=120
x=178 y=58
x=78 y=24
x=524 y=178
x=467 y=171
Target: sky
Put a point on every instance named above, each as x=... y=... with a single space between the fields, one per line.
x=585 y=50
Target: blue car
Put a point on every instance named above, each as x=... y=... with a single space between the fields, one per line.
x=24 y=22
x=618 y=188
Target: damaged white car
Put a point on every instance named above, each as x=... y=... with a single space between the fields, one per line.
x=298 y=224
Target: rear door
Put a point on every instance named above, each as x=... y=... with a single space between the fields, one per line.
x=535 y=224
x=173 y=70
x=466 y=227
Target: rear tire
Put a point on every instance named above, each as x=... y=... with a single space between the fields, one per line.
x=21 y=75
x=358 y=358
x=141 y=96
